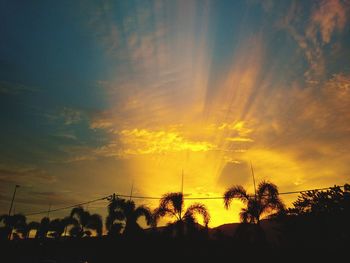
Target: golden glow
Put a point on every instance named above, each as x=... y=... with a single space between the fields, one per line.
x=140 y=93
x=214 y=142
x=170 y=116
x=146 y=142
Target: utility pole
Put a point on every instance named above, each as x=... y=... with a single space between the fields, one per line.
x=48 y=211
x=182 y=191
x=182 y=182
x=132 y=188
x=251 y=166
x=13 y=198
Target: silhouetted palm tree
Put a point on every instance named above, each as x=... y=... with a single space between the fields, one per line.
x=124 y=214
x=43 y=228
x=56 y=228
x=265 y=201
x=32 y=226
x=85 y=223
x=172 y=204
x=16 y=222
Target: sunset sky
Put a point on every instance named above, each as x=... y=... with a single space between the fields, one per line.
x=97 y=96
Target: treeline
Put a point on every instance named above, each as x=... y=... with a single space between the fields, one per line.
x=316 y=217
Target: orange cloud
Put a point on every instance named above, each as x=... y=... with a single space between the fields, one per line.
x=168 y=116
x=328 y=17
x=145 y=142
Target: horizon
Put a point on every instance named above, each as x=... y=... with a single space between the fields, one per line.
x=126 y=96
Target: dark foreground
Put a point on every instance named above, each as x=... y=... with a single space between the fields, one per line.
x=149 y=249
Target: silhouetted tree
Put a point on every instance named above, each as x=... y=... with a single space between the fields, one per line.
x=332 y=201
x=265 y=201
x=13 y=224
x=318 y=219
x=172 y=205
x=32 y=226
x=57 y=227
x=43 y=228
x=85 y=222
x=123 y=214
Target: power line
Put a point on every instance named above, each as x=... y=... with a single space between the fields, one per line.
x=71 y=206
x=221 y=197
x=112 y=196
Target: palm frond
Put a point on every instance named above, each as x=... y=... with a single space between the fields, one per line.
x=129 y=208
x=243 y=215
x=78 y=211
x=4 y=218
x=95 y=223
x=116 y=209
x=255 y=208
x=246 y=216
x=161 y=212
x=45 y=221
x=235 y=192
x=117 y=203
x=146 y=212
x=172 y=201
x=115 y=212
x=198 y=209
x=267 y=190
x=57 y=226
x=69 y=221
x=274 y=203
x=33 y=225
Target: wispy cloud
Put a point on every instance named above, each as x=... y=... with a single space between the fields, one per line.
x=66 y=135
x=199 y=87
x=239 y=139
x=100 y=22
x=328 y=18
x=71 y=116
x=25 y=175
x=10 y=88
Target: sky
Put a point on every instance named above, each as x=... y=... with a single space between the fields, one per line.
x=98 y=97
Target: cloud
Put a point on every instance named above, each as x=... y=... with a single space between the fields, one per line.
x=101 y=120
x=25 y=175
x=9 y=88
x=138 y=142
x=99 y=20
x=235 y=173
x=162 y=141
x=44 y=198
x=329 y=17
x=239 y=139
x=326 y=19
x=169 y=109
x=306 y=131
x=71 y=116
x=66 y=135
x=67 y=116
x=146 y=141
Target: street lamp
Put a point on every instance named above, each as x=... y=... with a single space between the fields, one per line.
x=13 y=198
